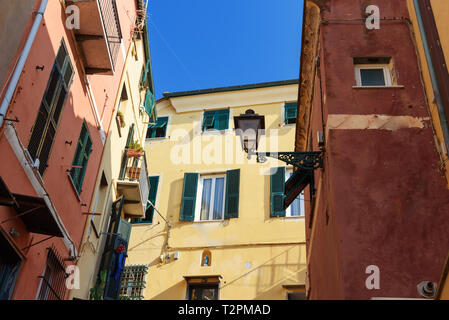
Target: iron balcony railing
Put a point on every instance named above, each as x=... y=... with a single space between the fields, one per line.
x=134 y=168
x=109 y=13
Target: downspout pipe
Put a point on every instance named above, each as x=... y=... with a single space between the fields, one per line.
x=433 y=77
x=21 y=63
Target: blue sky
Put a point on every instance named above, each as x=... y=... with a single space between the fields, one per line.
x=200 y=44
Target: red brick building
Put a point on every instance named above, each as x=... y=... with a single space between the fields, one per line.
x=381 y=199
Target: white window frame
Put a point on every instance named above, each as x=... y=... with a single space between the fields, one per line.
x=199 y=195
x=384 y=67
x=288 y=211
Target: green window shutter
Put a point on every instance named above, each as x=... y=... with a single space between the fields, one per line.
x=81 y=158
x=130 y=135
x=208 y=120
x=154 y=182
x=189 y=197
x=232 y=194
x=290 y=112
x=222 y=120
x=145 y=74
x=277 y=185
x=53 y=101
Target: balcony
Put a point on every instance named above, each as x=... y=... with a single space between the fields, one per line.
x=133 y=184
x=99 y=36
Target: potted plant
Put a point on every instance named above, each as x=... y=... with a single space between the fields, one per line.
x=121 y=119
x=134 y=150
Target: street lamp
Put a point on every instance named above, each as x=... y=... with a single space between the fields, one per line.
x=250 y=126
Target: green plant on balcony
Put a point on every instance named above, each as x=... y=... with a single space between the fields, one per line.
x=121 y=119
x=134 y=150
x=96 y=293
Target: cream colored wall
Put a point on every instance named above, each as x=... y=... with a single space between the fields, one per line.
x=440 y=9
x=91 y=248
x=274 y=247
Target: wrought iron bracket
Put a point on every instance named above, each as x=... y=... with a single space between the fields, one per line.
x=310 y=160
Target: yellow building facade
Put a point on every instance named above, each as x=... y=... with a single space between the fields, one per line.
x=120 y=193
x=212 y=233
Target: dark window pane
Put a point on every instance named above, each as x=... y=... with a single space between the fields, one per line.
x=68 y=74
x=38 y=130
x=49 y=94
x=46 y=148
x=62 y=53
x=372 y=77
x=59 y=104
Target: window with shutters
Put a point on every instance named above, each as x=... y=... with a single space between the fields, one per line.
x=215 y=120
x=210 y=197
x=210 y=200
x=46 y=124
x=152 y=195
x=159 y=129
x=290 y=112
x=81 y=158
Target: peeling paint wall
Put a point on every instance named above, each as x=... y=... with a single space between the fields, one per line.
x=382 y=197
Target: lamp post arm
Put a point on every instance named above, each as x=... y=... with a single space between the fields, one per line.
x=309 y=160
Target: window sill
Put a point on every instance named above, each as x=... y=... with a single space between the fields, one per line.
x=206 y=221
x=378 y=87
x=289 y=218
x=287 y=125
x=156 y=139
x=215 y=132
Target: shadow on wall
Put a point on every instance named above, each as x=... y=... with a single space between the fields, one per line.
x=270 y=276
x=175 y=292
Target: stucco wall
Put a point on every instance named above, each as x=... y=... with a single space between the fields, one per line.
x=382 y=181
x=255 y=254
x=14 y=21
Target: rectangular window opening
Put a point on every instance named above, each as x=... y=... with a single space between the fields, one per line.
x=211 y=196
x=216 y=120
x=374 y=72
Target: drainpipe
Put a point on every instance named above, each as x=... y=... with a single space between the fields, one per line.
x=21 y=63
x=433 y=77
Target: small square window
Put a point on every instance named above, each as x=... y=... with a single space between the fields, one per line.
x=373 y=72
x=216 y=120
x=159 y=129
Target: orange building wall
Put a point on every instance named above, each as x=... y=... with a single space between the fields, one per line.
x=25 y=106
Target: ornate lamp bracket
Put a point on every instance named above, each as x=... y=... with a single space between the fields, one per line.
x=310 y=160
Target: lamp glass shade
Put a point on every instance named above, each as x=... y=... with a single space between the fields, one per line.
x=249 y=127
